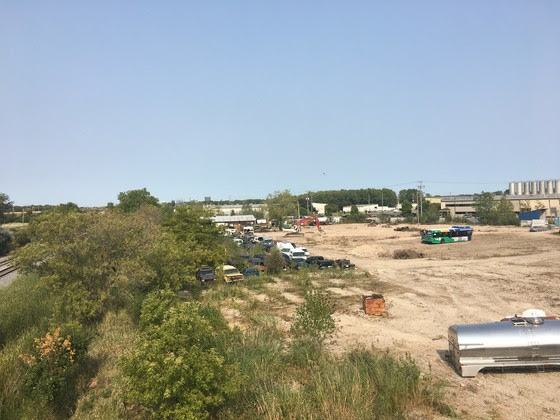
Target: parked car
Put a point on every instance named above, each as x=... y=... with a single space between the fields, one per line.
x=256 y=261
x=231 y=231
x=205 y=275
x=230 y=274
x=320 y=262
x=248 y=272
x=268 y=243
x=299 y=263
x=344 y=263
x=238 y=241
x=297 y=253
x=286 y=251
x=538 y=228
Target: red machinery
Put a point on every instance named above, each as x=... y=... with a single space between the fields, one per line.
x=306 y=221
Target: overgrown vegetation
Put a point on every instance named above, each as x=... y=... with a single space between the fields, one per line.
x=494 y=212
x=6 y=238
x=94 y=328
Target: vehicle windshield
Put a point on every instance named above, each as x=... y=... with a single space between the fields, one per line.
x=206 y=271
x=298 y=254
x=231 y=271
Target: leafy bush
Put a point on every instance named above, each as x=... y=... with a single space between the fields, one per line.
x=6 y=238
x=274 y=261
x=53 y=364
x=180 y=370
x=313 y=320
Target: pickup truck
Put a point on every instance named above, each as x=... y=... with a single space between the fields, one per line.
x=344 y=263
x=205 y=275
x=230 y=274
x=320 y=262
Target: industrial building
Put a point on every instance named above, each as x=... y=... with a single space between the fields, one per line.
x=228 y=209
x=524 y=196
x=242 y=220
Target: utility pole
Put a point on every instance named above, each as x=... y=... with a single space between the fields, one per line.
x=417 y=206
x=420 y=187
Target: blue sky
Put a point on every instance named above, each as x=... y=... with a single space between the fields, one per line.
x=241 y=98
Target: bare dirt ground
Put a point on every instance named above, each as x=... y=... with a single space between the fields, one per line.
x=502 y=271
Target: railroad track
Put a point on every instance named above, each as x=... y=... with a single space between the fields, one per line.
x=6 y=268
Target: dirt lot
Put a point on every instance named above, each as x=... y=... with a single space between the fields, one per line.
x=502 y=271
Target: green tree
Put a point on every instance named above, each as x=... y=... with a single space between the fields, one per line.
x=6 y=238
x=5 y=204
x=355 y=216
x=195 y=239
x=430 y=212
x=505 y=214
x=132 y=200
x=485 y=208
x=179 y=370
x=525 y=206
x=540 y=206
x=330 y=209
x=281 y=204
x=67 y=208
x=406 y=208
x=246 y=209
x=92 y=262
x=410 y=194
x=492 y=212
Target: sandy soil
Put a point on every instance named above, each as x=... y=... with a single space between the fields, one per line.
x=502 y=271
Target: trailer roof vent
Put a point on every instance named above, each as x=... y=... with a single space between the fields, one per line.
x=533 y=313
x=518 y=321
x=535 y=321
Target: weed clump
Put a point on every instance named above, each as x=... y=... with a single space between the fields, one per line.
x=407 y=254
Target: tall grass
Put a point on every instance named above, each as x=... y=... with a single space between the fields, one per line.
x=363 y=384
x=104 y=399
x=12 y=377
x=24 y=304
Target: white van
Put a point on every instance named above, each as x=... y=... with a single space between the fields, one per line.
x=298 y=253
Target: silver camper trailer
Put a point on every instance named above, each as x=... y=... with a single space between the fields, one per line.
x=532 y=339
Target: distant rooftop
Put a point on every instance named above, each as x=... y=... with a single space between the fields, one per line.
x=233 y=219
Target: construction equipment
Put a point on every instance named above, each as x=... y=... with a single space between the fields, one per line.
x=306 y=221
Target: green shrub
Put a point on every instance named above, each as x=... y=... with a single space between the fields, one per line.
x=274 y=261
x=53 y=365
x=313 y=320
x=6 y=238
x=179 y=370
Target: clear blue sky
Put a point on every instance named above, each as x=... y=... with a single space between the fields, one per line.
x=241 y=98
